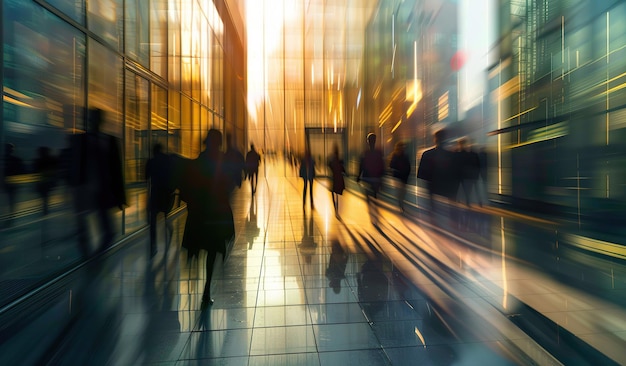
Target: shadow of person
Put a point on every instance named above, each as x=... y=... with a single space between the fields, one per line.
x=308 y=245
x=336 y=266
x=252 y=226
x=162 y=315
x=372 y=286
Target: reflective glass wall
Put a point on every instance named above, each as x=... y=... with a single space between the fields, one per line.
x=557 y=115
x=160 y=71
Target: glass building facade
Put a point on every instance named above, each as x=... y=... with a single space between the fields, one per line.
x=557 y=109
x=161 y=71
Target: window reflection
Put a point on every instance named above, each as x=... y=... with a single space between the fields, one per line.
x=137 y=31
x=105 y=19
x=137 y=149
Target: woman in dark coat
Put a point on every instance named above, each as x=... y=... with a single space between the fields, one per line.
x=307 y=173
x=209 y=224
x=337 y=170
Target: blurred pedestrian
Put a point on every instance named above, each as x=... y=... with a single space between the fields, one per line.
x=253 y=160
x=97 y=180
x=400 y=166
x=482 y=157
x=307 y=173
x=438 y=167
x=13 y=167
x=161 y=193
x=371 y=170
x=469 y=170
x=46 y=166
x=337 y=169
x=209 y=225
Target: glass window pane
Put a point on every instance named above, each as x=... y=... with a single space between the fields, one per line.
x=137 y=149
x=173 y=123
x=174 y=45
x=72 y=8
x=105 y=86
x=137 y=31
x=158 y=37
x=158 y=117
x=105 y=18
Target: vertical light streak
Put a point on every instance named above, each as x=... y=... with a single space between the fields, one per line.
x=505 y=285
x=393 y=42
x=499 y=127
x=606 y=116
x=519 y=94
x=578 y=186
x=562 y=39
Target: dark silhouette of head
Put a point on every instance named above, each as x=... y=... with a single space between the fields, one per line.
x=371 y=140
x=95 y=118
x=157 y=149
x=9 y=148
x=440 y=137
x=213 y=141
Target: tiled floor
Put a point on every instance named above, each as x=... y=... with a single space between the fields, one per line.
x=303 y=287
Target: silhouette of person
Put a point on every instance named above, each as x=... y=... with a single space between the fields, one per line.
x=400 y=166
x=307 y=173
x=234 y=163
x=253 y=159
x=97 y=180
x=438 y=167
x=482 y=157
x=336 y=266
x=209 y=222
x=46 y=166
x=469 y=162
x=337 y=170
x=371 y=170
x=160 y=193
x=13 y=166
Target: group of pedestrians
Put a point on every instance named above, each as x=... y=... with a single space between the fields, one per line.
x=451 y=173
x=207 y=182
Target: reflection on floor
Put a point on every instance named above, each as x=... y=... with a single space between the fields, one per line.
x=304 y=287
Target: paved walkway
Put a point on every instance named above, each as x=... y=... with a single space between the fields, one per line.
x=304 y=287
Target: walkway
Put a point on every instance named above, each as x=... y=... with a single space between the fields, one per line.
x=303 y=287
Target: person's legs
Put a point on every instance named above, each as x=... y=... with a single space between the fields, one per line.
x=311 y=192
x=401 y=194
x=253 y=181
x=210 y=264
x=153 y=232
x=304 y=192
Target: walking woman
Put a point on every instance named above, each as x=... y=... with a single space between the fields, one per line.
x=337 y=170
x=209 y=224
x=307 y=173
